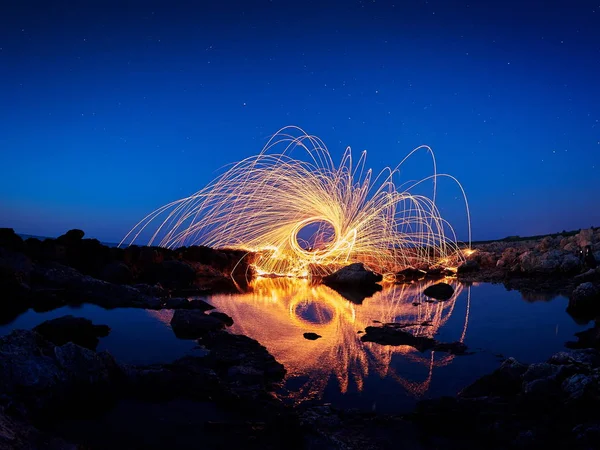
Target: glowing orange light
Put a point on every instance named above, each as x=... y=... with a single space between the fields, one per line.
x=262 y=204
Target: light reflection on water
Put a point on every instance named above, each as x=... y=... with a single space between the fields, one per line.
x=276 y=312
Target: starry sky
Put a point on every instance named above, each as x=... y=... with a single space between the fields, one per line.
x=112 y=109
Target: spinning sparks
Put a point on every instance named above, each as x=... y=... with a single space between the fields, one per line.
x=307 y=215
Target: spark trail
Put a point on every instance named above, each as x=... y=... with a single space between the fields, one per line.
x=266 y=203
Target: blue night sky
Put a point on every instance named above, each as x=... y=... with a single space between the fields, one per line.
x=112 y=109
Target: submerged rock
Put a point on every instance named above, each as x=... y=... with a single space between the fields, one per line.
x=72 y=329
x=439 y=291
x=311 y=336
x=191 y=324
x=227 y=320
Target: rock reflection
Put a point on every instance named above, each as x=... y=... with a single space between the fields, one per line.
x=277 y=312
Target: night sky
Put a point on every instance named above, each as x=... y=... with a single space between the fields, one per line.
x=112 y=109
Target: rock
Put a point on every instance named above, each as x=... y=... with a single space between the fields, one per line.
x=570 y=264
x=454 y=348
x=584 y=300
x=200 y=305
x=40 y=376
x=85 y=289
x=577 y=387
x=229 y=350
x=116 y=272
x=439 y=291
x=177 y=303
x=504 y=381
x=586 y=358
x=10 y=240
x=72 y=329
x=387 y=335
x=409 y=274
x=18 y=435
x=356 y=293
x=468 y=267
x=590 y=275
x=311 y=336
x=354 y=274
x=227 y=320
x=71 y=236
x=587 y=339
x=190 y=324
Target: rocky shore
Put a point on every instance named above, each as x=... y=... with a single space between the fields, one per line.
x=57 y=392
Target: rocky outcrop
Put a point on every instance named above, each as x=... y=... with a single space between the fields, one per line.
x=41 y=377
x=552 y=404
x=78 y=330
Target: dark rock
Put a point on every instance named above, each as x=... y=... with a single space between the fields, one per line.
x=230 y=350
x=454 y=348
x=177 y=303
x=71 y=236
x=505 y=381
x=387 y=335
x=40 y=376
x=587 y=339
x=83 y=288
x=227 y=320
x=416 y=303
x=354 y=274
x=410 y=274
x=18 y=435
x=356 y=293
x=72 y=329
x=171 y=274
x=585 y=301
x=200 y=305
x=311 y=336
x=11 y=240
x=468 y=267
x=440 y=291
x=586 y=358
x=116 y=272
x=189 y=324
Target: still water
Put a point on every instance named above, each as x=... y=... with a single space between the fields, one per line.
x=339 y=368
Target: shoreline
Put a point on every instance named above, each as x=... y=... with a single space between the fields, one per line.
x=73 y=270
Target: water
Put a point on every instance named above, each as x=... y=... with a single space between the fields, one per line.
x=339 y=368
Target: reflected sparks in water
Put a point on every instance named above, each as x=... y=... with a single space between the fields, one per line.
x=276 y=312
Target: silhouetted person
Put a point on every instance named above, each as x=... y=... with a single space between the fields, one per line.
x=589 y=260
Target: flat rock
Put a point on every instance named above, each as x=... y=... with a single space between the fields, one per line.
x=78 y=330
x=192 y=324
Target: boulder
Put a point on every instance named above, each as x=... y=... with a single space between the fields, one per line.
x=116 y=272
x=439 y=291
x=192 y=324
x=354 y=275
x=468 y=267
x=72 y=329
x=587 y=339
